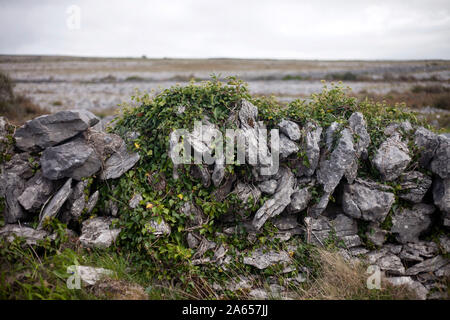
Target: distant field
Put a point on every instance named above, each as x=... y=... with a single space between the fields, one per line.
x=100 y=84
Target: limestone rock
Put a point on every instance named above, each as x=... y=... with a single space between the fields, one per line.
x=93 y=199
x=134 y=201
x=376 y=235
x=50 y=130
x=409 y=224
x=280 y=200
x=440 y=164
x=427 y=142
x=417 y=252
x=55 y=204
x=311 y=148
x=31 y=236
x=359 y=129
x=391 y=158
x=333 y=168
x=287 y=146
x=387 y=261
x=441 y=195
x=119 y=163
x=362 y=200
x=158 y=227
x=414 y=186
x=96 y=233
x=299 y=200
x=290 y=129
x=91 y=275
x=201 y=172
x=75 y=159
x=429 y=265
x=11 y=187
x=268 y=186
x=262 y=260
x=75 y=203
x=37 y=191
x=104 y=143
x=321 y=229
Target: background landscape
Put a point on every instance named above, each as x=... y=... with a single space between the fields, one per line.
x=101 y=84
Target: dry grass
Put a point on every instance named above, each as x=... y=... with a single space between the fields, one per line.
x=112 y=289
x=343 y=280
x=16 y=108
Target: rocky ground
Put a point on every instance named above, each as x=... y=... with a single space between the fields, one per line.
x=384 y=203
x=101 y=84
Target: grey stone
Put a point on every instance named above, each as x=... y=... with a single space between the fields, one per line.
x=134 y=201
x=75 y=203
x=195 y=215
x=237 y=284
x=268 y=186
x=192 y=241
x=112 y=208
x=417 y=252
x=11 y=187
x=440 y=164
x=441 y=194
x=246 y=193
x=427 y=142
x=290 y=129
x=75 y=159
x=376 y=235
x=93 y=199
x=415 y=286
x=37 y=191
x=50 y=130
x=218 y=173
x=299 y=200
x=321 y=229
x=262 y=260
x=387 y=262
x=96 y=233
x=248 y=114
x=409 y=224
x=332 y=168
x=90 y=275
x=31 y=236
x=279 y=201
x=285 y=222
x=362 y=200
x=391 y=158
x=258 y=294
x=201 y=172
x=310 y=147
x=287 y=146
x=443 y=271
x=444 y=242
x=359 y=129
x=119 y=163
x=104 y=143
x=52 y=208
x=414 y=186
x=19 y=165
x=158 y=227
x=430 y=265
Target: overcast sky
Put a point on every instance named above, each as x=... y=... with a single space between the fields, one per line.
x=316 y=29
